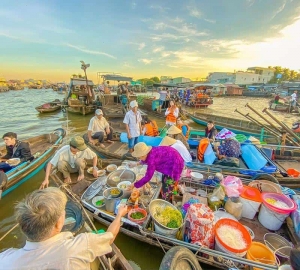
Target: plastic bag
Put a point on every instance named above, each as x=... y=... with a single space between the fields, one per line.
x=233 y=186
x=218 y=192
x=199 y=227
x=234 y=207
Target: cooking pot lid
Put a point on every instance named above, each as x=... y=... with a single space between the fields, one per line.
x=94 y=188
x=251 y=193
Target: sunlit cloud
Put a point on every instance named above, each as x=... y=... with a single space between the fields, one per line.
x=194 y=12
x=81 y=49
x=158 y=49
x=145 y=61
x=279 y=9
x=159 y=8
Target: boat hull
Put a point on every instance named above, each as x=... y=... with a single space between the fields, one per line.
x=26 y=170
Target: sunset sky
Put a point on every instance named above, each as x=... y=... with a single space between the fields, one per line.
x=47 y=39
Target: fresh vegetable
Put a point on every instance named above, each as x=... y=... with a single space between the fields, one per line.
x=172 y=224
x=100 y=202
x=137 y=215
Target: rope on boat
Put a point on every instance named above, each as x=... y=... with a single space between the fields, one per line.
x=160 y=245
x=16 y=225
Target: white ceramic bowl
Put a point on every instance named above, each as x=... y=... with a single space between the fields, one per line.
x=196 y=176
x=126 y=193
x=96 y=199
x=111 y=168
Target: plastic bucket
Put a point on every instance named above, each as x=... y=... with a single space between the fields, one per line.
x=259 y=252
x=219 y=247
x=270 y=219
x=250 y=208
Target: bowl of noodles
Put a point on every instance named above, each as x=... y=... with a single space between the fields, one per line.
x=167 y=218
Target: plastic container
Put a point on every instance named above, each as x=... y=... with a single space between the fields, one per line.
x=259 y=252
x=251 y=200
x=126 y=193
x=219 y=247
x=280 y=197
x=292 y=172
x=134 y=210
x=238 y=226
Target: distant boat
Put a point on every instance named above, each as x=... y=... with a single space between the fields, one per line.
x=256 y=93
x=49 y=107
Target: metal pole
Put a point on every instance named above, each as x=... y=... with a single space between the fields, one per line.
x=284 y=126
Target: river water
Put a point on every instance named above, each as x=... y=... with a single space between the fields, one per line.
x=18 y=114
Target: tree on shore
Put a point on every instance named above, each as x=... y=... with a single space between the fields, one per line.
x=149 y=81
x=286 y=75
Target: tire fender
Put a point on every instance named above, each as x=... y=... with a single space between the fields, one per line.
x=177 y=254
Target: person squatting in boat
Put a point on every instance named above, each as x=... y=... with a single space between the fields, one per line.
x=163 y=159
x=176 y=133
x=70 y=159
x=179 y=146
x=41 y=217
x=14 y=149
x=97 y=128
x=230 y=147
x=149 y=127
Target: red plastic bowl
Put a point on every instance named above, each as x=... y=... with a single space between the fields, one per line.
x=134 y=210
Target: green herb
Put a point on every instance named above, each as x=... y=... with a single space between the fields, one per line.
x=172 y=224
x=100 y=202
x=137 y=215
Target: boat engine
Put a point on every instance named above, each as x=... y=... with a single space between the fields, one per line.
x=296 y=127
x=3 y=182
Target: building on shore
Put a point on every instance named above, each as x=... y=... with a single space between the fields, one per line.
x=253 y=75
x=177 y=80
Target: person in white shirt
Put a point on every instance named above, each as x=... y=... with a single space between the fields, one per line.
x=294 y=99
x=133 y=121
x=41 y=217
x=99 y=126
x=179 y=146
x=71 y=159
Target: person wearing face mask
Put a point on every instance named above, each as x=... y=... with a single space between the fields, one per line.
x=14 y=149
x=171 y=114
x=71 y=159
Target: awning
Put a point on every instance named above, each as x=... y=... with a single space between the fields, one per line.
x=113 y=77
x=76 y=82
x=164 y=85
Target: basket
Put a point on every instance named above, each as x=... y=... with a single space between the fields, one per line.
x=159 y=227
x=265 y=186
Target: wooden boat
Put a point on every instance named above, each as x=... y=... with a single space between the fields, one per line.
x=256 y=93
x=42 y=148
x=237 y=126
x=146 y=233
x=150 y=105
x=282 y=107
x=49 y=107
x=114 y=260
x=80 y=98
x=112 y=107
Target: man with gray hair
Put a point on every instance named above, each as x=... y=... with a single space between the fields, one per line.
x=41 y=217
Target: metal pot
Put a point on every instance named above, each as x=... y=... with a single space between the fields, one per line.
x=127 y=175
x=110 y=202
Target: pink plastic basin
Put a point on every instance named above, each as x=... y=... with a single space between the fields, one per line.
x=280 y=197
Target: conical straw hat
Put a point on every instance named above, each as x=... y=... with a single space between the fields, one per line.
x=141 y=149
x=173 y=130
x=167 y=141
